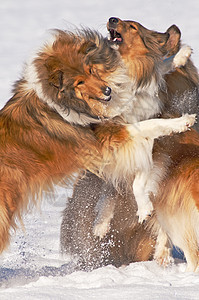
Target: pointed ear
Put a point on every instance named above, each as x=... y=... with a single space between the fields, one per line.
x=86 y=47
x=174 y=39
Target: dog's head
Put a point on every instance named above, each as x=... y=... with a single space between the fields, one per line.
x=132 y=37
x=69 y=79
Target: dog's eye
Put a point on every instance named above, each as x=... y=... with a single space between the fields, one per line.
x=80 y=82
x=133 y=27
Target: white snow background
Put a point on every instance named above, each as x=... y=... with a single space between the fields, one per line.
x=32 y=267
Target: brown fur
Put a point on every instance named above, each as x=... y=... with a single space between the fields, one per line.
x=127 y=241
x=181 y=94
x=76 y=239
x=38 y=147
x=34 y=155
x=179 y=191
x=123 y=244
x=179 y=82
x=139 y=49
x=176 y=206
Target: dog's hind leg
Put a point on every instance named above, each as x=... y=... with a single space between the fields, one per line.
x=181 y=227
x=7 y=210
x=187 y=242
x=4 y=227
x=13 y=198
x=186 y=238
x=192 y=257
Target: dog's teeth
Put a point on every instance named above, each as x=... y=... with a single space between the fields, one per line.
x=115 y=39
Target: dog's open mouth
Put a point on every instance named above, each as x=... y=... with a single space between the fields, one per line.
x=115 y=36
x=105 y=99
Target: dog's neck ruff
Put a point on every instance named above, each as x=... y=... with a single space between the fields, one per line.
x=70 y=116
x=134 y=104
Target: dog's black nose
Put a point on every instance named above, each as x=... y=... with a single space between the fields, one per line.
x=107 y=91
x=113 y=20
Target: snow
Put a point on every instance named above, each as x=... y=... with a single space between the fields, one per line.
x=32 y=267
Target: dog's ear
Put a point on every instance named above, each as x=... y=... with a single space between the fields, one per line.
x=86 y=47
x=56 y=81
x=173 y=42
x=162 y=38
x=55 y=78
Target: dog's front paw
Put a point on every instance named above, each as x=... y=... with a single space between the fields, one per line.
x=182 y=56
x=101 y=229
x=144 y=212
x=186 y=122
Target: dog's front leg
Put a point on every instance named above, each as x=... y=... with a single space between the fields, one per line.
x=176 y=61
x=141 y=193
x=155 y=128
x=105 y=211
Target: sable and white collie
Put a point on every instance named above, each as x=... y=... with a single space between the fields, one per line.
x=46 y=134
x=145 y=70
x=177 y=201
x=176 y=204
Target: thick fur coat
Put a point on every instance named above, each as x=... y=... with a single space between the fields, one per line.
x=126 y=241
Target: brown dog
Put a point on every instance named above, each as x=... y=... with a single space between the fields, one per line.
x=180 y=94
x=45 y=127
x=176 y=207
x=59 y=122
x=122 y=244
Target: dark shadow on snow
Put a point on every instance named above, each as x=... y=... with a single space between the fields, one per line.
x=21 y=276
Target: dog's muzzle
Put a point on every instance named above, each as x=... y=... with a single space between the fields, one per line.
x=115 y=36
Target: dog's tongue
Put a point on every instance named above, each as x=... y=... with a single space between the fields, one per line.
x=118 y=39
x=115 y=37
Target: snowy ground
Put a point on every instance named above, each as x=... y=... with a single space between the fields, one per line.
x=32 y=267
